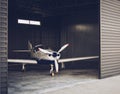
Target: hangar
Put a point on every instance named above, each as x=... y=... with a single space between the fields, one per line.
x=90 y=27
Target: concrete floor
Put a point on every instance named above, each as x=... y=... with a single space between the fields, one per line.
x=110 y=85
x=40 y=82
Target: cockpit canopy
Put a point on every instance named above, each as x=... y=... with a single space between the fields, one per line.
x=39 y=46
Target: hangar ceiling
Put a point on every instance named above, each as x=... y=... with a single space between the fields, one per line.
x=52 y=7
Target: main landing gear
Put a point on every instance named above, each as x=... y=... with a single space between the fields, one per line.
x=52 y=70
x=23 y=67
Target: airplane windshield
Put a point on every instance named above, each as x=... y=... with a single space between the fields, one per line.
x=40 y=46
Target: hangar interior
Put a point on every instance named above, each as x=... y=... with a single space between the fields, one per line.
x=61 y=21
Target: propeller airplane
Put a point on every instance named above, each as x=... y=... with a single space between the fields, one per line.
x=38 y=53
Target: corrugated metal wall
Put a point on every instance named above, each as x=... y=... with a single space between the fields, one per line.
x=3 y=45
x=82 y=33
x=110 y=37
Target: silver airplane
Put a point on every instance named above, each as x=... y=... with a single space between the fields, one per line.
x=38 y=53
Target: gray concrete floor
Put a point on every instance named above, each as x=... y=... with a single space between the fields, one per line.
x=110 y=85
x=40 y=82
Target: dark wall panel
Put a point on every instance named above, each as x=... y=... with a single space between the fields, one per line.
x=3 y=45
x=81 y=31
x=110 y=37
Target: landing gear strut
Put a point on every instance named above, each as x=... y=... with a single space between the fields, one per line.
x=23 y=67
x=62 y=66
x=52 y=70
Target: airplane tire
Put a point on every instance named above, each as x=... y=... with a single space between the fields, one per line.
x=52 y=74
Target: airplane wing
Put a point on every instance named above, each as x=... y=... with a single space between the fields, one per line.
x=22 y=61
x=27 y=61
x=76 y=59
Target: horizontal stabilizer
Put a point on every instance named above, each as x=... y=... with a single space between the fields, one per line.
x=22 y=51
x=77 y=59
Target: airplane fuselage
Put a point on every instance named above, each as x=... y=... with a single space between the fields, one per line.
x=39 y=55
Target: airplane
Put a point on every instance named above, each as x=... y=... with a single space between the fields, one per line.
x=38 y=54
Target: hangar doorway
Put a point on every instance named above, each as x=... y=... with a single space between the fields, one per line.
x=75 y=22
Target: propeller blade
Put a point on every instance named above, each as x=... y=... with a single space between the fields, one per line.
x=56 y=66
x=63 y=47
x=44 y=51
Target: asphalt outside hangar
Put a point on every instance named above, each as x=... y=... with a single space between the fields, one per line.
x=51 y=24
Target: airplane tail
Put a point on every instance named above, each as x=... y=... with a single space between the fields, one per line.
x=30 y=48
x=29 y=45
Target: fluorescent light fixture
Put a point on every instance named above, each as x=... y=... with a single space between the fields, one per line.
x=34 y=22
x=22 y=21
x=29 y=22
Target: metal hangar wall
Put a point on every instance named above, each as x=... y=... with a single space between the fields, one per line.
x=109 y=37
x=3 y=45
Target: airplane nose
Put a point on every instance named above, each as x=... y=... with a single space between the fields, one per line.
x=55 y=54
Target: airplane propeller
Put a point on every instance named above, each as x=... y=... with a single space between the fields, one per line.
x=63 y=47
x=55 y=55
x=56 y=65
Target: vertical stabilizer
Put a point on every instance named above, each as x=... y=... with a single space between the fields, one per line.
x=29 y=46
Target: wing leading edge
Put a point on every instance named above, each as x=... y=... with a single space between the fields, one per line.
x=76 y=59
x=22 y=61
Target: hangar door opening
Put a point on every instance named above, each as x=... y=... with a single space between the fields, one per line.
x=54 y=23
